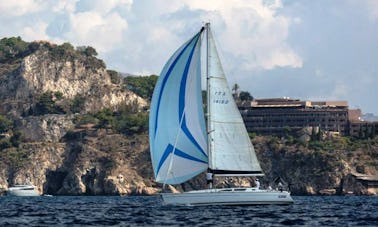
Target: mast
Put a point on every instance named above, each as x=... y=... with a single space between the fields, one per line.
x=209 y=130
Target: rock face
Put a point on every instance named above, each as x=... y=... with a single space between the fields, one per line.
x=38 y=73
x=312 y=171
x=52 y=152
x=62 y=157
x=102 y=163
x=46 y=128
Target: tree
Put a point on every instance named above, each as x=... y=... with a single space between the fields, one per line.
x=87 y=50
x=15 y=140
x=114 y=77
x=105 y=117
x=235 y=89
x=58 y=95
x=46 y=104
x=78 y=104
x=313 y=134
x=245 y=96
x=11 y=48
x=319 y=135
x=131 y=123
x=141 y=85
x=62 y=52
x=67 y=47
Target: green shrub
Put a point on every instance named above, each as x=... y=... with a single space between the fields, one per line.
x=71 y=135
x=141 y=85
x=85 y=119
x=88 y=57
x=105 y=118
x=245 y=96
x=87 y=50
x=58 y=95
x=114 y=77
x=12 y=48
x=252 y=135
x=62 y=52
x=78 y=104
x=5 y=143
x=46 y=105
x=321 y=145
x=5 y=124
x=16 y=139
x=131 y=123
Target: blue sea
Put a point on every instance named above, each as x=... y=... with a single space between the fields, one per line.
x=149 y=211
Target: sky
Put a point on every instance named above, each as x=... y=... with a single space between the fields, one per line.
x=303 y=49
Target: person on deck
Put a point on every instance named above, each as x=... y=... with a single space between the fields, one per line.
x=280 y=187
x=209 y=178
x=257 y=182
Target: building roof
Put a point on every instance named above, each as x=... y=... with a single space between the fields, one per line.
x=287 y=102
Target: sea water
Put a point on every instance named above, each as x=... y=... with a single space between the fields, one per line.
x=149 y=211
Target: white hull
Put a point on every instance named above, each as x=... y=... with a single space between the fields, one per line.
x=228 y=196
x=22 y=190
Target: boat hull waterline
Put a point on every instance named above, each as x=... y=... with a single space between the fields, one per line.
x=228 y=196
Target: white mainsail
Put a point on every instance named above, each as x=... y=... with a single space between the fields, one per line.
x=231 y=151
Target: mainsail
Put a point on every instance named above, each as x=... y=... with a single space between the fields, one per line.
x=178 y=140
x=231 y=151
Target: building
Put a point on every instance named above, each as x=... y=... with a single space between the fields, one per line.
x=363 y=129
x=279 y=116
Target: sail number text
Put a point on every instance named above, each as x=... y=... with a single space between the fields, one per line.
x=220 y=97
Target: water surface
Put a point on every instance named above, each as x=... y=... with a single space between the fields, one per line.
x=148 y=210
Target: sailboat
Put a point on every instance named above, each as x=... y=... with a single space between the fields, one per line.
x=183 y=144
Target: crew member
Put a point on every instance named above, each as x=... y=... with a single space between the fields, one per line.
x=257 y=182
x=280 y=187
x=209 y=178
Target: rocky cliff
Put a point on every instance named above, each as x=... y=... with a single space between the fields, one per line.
x=69 y=76
x=101 y=162
x=70 y=127
x=56 y=120
x=325 y=167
